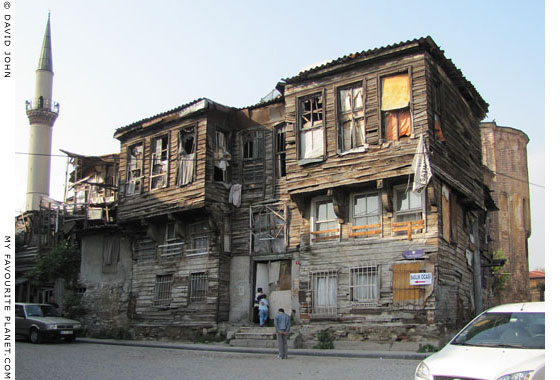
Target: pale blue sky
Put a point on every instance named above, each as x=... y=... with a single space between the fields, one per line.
x=117 y=62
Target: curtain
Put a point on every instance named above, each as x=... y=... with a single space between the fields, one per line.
x=396 y=92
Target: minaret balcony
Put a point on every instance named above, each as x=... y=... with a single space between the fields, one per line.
x=41 y=110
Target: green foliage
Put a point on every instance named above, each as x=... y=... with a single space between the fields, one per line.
x=424 y=348
x=501 y=278
x=63 y=261
x=325 y=341
x=72 y=306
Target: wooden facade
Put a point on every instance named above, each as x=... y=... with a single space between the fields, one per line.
x=315 y=188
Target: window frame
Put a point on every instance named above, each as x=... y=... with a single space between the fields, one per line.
x=382 y=113
x=136 y=179
x=201 y=280
x=329 y=309
x=183 y=156
x=409 y=211
x=280 y=155
x=253 y=153
x=314 y=221
x=164 y=163
x=378 y=229
x=300 y=130
x=163 y=287
x=350 y=115
x=368 y=269
x=225 y=173
x=194 y=235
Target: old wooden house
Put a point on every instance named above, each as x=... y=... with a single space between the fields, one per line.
x=354 y=198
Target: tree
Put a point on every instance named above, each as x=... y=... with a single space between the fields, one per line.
x=63 y=261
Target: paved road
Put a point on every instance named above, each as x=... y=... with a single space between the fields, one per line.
x=84 y=361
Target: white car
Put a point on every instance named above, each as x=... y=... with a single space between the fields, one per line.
x=503 y=343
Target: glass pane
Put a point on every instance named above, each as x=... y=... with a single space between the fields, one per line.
x=402 y=200
x=358 y=99
x=360 y=205
x=415 y=200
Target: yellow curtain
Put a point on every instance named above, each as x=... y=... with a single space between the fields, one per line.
x=396 y=92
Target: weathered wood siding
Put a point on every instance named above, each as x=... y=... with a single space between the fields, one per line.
x=171 y=198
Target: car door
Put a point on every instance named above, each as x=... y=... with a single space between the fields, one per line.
x=21 y=326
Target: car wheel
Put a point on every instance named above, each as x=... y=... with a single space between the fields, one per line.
x=70 y=339
x=34 y=335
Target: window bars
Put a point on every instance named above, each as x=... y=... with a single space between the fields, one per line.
x=323 y=292
x=162 y=290
x=364 y=286
x=198 y=287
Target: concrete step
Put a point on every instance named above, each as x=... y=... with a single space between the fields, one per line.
x=256 y=333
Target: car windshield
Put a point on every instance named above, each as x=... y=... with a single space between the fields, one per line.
x=40 y=311
x=515 y=330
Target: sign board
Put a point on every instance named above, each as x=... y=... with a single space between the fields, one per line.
x=420 y=279
x=413 y=254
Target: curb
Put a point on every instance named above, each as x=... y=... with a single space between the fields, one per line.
x=244 y=350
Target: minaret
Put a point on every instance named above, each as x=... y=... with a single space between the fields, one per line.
x=42 y=112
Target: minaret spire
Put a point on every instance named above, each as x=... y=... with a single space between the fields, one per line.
x=42 y=112
x=45 y=60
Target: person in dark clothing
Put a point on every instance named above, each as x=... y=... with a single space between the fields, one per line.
x=282 y=322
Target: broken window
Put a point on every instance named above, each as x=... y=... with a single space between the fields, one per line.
x=268 y=229
x=365 y=215
x=395 y=106
x=221 y=158
x=159 y=162
x=186 y=157
x=364 y=286
x=323 y=292
x=253 y=165
x=281 y=151
x=351 y=121
x=162 y=289
x=134 y=163
x=198 y=287
x=325 y=224
x=311 y=127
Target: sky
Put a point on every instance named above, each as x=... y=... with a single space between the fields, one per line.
x=117 y=62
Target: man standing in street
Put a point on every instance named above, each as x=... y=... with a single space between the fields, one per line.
x=282 y=323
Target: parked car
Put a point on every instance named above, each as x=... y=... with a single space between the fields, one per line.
x=503 y=343
x=38 y=322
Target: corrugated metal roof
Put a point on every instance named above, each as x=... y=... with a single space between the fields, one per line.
x=534 y=274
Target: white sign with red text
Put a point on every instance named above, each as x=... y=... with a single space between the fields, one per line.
x=420 y=279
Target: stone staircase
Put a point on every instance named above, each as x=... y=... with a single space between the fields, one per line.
x=262 y=337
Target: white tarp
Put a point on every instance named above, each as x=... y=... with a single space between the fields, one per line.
x=421 y=167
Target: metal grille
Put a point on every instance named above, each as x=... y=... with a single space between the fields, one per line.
x=323 y=292
x=162 y=290
x=364 y=286
x=198 y=287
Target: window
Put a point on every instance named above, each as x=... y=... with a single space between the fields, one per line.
x=449 y=214
x=253 y=166
x=281 y=151
x=365 y=215
x=395 y=106
x=268 y=229
x=173 y=245
x=159 y=162
x=325 y=224
x=134 y=163
x=198 y=239
x=364 y=286
x=198 y=287
x=186 y=158
x=221 y=158
x=311 y=126
x=162 y=289
x=351 y=121
x=408 y=204
x=408 y=209
x=323 y=293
